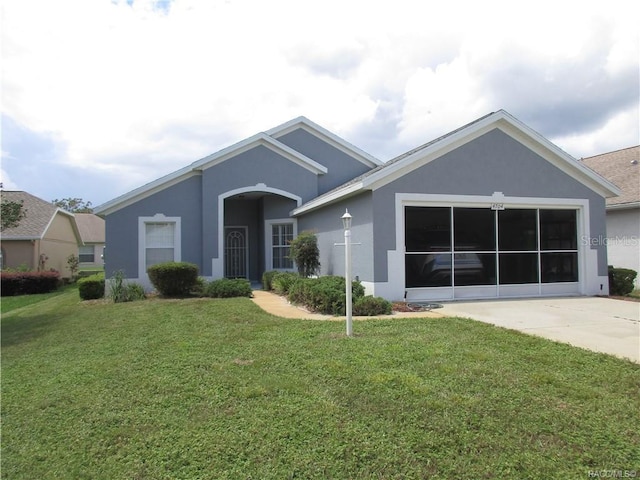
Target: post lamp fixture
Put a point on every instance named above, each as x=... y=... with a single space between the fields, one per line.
x=346 y=222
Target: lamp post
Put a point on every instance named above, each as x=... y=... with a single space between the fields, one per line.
x=346 y=221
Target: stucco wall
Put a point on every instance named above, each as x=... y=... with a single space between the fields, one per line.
x=182 y=200
x=494 y=162
x=623 y=239
x=341 y=167
x=327 y=225
x=18 y=253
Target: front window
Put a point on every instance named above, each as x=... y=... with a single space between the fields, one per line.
x=281 y=236
x=159 y=241
x=86 y=254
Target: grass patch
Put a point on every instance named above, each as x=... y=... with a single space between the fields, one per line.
x=202 y=388
x=11 y=303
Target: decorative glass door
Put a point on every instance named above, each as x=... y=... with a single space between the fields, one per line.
x=236 y=256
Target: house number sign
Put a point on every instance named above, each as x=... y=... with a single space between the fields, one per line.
x=497 y=206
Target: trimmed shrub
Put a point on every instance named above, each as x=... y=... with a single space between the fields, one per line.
x=325 y=294
x=228 y=288
x=173 y=279
x=621 y=280
x=28 y=283
x=91 y=288
x=370 y=306
x=281 y=282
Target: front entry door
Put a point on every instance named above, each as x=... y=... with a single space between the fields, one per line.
x=236 y=252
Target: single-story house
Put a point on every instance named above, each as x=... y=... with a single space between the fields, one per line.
x=489 y=210
x=622 y=168
x=43 y=240
x=92 y=233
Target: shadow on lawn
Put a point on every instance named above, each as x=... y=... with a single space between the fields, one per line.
x=18 y=330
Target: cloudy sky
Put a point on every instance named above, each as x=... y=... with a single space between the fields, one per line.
x=102 y=96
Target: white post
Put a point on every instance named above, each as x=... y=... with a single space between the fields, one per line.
x=346 y=218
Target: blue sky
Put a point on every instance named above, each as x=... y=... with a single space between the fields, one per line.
x=102 y=96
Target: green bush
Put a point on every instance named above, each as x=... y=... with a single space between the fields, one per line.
x=121 y=291
x=281 y=282
x=267 y=279
x=324 y=294
x=370 y=306
x=173 y=279
x=28 y=283
x=305 y=253
x=228 y=288
x=621 y=280
x=91 y=288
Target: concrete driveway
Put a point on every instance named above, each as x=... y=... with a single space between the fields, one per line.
x=598 y=324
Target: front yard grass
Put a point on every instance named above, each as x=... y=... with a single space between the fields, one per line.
x=215 y=389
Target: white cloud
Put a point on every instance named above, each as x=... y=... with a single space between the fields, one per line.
x=146 y=88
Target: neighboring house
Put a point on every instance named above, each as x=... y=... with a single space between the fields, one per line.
x=43 y=240
x=622 y=168
x=489 y=210
x=92 y=232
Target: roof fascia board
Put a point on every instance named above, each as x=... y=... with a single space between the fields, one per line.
x=514 y=128
x=327 y=199
x=146 y=191
x=559 y=158
x=623 y=206
x=260 y=139
x=327 y=136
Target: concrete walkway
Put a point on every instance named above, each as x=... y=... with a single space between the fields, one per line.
x=598 y=324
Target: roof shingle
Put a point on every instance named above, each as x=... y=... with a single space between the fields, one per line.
x=621 y=167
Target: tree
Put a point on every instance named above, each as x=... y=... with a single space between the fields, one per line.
x=73 y=205
x=12 y=213
x=305 y=252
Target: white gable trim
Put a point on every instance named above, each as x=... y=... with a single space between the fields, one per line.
x=326 y=136
x=264 y=140
x=501 y=120
x=198 y=166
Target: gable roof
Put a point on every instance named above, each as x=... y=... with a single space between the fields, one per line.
x=325 y=135
x=267 y=139
x=422 y=155
x=39 y=215
x=621 y=167
x=91 y=227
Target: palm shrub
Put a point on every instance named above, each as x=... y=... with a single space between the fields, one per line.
x=121 y=291
x=305 y=253
x=173 y=279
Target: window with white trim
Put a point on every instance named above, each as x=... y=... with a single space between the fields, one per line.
x=158 y=241
x=86 y=254
x=281 y=236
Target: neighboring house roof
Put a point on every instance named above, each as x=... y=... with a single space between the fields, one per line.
x=38 y=218
x=91 y=227
x=420 y=156
x=621 y=167
x=266 y=139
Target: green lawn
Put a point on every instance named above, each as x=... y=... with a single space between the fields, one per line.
x=202 y=388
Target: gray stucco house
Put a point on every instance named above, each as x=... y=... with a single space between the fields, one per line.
x=489 y=210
